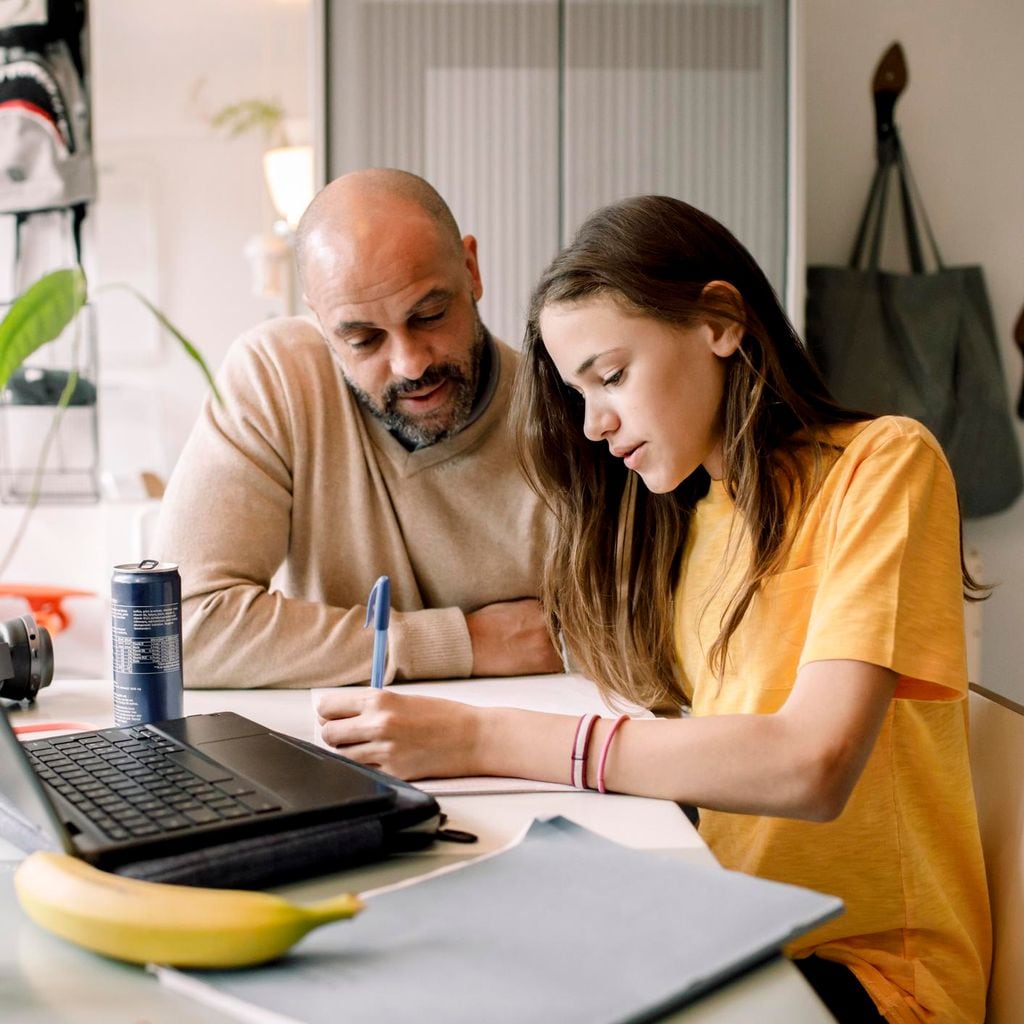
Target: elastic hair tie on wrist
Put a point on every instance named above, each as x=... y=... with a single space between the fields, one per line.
x=604 y=752
x=580 y=746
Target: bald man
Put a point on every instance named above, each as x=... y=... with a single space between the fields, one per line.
x=369 y=439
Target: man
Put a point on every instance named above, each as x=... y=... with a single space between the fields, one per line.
x=373 y=440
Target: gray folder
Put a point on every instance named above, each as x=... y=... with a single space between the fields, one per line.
x=566 y=926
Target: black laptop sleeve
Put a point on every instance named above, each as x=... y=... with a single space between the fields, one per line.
x=410 y=822
x=260 y=862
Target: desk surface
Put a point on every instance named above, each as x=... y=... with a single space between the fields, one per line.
x=43 y=979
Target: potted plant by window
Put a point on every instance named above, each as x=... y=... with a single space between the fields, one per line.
x=37 y=317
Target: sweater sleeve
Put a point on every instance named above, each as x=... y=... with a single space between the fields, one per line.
x=226 y=520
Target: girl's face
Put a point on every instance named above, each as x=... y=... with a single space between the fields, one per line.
x=653 y=391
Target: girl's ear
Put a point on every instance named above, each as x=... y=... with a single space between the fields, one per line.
x=726 y=329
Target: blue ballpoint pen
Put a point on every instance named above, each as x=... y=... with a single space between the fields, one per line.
x=378 y=608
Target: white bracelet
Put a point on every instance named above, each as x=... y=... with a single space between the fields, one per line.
x=580 y=743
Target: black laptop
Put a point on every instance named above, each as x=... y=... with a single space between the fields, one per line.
x=205 y=800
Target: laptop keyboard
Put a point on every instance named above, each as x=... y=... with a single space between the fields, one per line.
x=134 y=783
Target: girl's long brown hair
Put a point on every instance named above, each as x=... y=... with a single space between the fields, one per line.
x=611 y=572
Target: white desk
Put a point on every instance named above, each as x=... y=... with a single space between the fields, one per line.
x=43 y=980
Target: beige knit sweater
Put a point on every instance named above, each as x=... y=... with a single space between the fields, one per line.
x=289 y=500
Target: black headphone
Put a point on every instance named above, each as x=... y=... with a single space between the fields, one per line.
x=26 y=658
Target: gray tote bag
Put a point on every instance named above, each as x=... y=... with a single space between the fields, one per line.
x=921 y=344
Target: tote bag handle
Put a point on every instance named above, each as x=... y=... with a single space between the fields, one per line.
x=871 y=229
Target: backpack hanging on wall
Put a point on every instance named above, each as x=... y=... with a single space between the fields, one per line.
x=46 y=160
x=921 y=344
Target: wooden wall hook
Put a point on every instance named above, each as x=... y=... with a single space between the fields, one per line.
x=888 y=83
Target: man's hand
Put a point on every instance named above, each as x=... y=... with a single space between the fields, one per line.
x=510 y=638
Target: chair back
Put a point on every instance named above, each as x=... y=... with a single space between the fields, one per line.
x=997 y=764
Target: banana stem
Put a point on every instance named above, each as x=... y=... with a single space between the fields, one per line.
x=336 y=908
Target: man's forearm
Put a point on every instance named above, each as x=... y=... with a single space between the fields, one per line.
x=243 y=636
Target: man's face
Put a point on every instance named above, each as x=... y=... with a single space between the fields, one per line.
x=398 y=310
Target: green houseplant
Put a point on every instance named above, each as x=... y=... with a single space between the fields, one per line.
x=38 y=316
x=42 y=312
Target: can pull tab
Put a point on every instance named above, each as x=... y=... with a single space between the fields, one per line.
x=149 y=563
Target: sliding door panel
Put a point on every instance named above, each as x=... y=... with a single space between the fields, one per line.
x=465 y=94
x=526 y=116
x=682 y=98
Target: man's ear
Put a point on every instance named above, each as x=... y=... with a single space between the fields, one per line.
x=727 y=329
x=473 y=266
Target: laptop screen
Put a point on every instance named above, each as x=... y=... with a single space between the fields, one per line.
x=23 y=793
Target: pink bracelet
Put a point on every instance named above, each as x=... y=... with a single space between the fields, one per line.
x=580 y=746
x=604 y=752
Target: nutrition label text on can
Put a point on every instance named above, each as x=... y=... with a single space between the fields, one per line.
x=134 y=651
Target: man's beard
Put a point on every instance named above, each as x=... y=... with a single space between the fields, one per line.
x=441 y=423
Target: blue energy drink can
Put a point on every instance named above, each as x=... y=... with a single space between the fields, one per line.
x=145 y=609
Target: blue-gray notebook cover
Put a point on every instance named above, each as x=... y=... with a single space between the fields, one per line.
x=566 y=926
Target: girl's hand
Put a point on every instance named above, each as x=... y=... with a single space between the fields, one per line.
x=406 y=736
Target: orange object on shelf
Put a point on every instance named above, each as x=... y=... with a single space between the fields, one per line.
x=45 y=602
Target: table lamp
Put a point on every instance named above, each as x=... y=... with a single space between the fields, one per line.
x=289 y=174
x=288 y=171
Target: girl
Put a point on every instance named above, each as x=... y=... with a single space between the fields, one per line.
x=787 y=571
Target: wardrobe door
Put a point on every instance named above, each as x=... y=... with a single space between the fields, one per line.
x=467 y=95
x=527 y=116
x=684 y=98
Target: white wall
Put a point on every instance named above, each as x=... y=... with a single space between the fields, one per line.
x=178 y=201
x=960 y=119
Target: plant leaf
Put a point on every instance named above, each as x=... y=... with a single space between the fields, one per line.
x=189 y=348
x=238 y=118
x=39 y=315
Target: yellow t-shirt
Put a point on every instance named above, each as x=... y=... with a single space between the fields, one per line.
x=873 y=574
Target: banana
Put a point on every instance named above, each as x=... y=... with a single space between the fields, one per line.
x=150 y=922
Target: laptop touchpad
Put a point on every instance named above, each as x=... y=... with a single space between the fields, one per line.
x=296 y=775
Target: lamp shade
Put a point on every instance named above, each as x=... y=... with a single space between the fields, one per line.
x=289 y=174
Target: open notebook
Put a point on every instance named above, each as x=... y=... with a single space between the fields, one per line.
x=558 y=694
x=565 y=926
